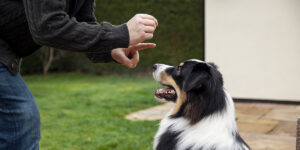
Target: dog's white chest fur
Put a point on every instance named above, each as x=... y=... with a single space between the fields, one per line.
x=213 y=132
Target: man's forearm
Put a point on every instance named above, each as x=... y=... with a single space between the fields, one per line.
x=50 y=25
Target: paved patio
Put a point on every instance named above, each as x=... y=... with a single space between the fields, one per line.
x=263 y=126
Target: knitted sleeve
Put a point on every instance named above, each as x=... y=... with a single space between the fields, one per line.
x=50 y=25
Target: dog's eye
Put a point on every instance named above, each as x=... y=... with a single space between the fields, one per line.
x=178 y=70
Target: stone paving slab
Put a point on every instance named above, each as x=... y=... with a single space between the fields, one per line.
x=263 y=105
x=251 y=112
x=153 y=113
x=259 y=126
x=285 y=128
x=284 y=114
x=269 y=142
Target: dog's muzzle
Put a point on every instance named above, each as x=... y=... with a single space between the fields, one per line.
x=158 y=69
x=164 y=94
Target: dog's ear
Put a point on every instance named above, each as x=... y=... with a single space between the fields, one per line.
x=198 y=75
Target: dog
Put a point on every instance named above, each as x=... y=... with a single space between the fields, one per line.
x=203 y=117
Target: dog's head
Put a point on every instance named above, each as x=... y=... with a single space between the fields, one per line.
x=195 y=86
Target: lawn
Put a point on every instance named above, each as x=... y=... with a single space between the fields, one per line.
x=86 y=112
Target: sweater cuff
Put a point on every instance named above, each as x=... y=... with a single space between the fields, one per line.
x=120 y=36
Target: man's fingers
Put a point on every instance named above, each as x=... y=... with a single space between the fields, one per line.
x=130 y=63
x=146 y=16
x=148 y=36
x=124 y=60
x=142 y=46
x=149 y=29
x=148 y=22
x=134 y=59
x=121 y=57
x=141 y=28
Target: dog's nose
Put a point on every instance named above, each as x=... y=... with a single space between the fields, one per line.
x=155 y=67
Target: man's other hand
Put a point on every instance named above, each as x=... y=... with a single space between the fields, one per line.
x=141 y=27
x=129 y=57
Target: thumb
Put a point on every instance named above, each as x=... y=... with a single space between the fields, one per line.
x=135 y=59
x=124 y=60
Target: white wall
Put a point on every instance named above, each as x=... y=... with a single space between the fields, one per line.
x=256 y=44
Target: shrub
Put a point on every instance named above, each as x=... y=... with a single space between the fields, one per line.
x=179 y=36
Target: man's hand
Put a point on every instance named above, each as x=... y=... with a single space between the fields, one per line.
x=129 y=57
x=141 y=28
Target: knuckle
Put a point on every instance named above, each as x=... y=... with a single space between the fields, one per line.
x=144 y=35
x=150 y=36
x=140 y=15
x=139 y=20
x=152 y=22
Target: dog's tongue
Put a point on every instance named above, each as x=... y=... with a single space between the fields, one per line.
x=164 y=91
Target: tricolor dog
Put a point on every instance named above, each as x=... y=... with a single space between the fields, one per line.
x=203 y=117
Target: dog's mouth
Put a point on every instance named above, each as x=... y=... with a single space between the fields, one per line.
x=166 y=94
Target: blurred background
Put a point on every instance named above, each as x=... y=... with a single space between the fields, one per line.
x=178 y=37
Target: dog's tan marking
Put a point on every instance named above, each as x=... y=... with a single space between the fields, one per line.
x=180 y=100
x=181 y=96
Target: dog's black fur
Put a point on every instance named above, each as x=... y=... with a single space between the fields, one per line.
x=203 y=85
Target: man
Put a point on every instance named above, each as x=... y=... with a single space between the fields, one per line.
x=25 y=25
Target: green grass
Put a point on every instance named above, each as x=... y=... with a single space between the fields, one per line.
x=86 y=112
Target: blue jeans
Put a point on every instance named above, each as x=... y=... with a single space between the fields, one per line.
x=19 y=115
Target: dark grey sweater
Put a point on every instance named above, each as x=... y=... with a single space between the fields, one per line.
x=62 y=24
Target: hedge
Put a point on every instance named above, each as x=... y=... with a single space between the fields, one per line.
x=179 y=36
